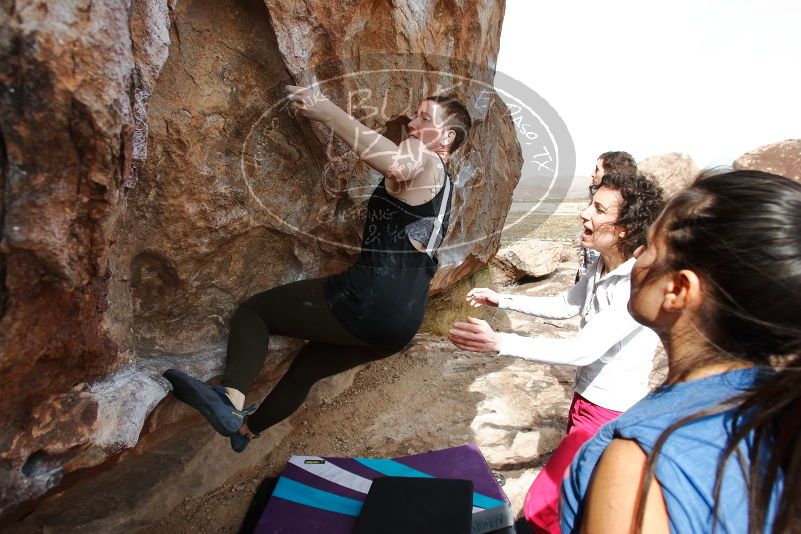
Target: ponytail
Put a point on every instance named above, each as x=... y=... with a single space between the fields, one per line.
x=741 y=232
x=770 y=418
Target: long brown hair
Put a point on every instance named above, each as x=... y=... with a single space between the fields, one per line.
x=741 y=233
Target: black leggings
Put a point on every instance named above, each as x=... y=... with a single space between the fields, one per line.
x=299 y=310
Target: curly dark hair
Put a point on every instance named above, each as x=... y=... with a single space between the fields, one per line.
x=618 y=161
x=643 y=201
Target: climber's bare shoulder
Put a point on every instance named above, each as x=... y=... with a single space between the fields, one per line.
x=416 y=174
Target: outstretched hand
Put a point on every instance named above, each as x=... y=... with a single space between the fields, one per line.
x=310 y=101
x=475 y=335
x=482 y=296
x=380 y=153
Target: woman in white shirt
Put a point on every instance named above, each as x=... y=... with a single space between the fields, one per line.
x=613 y=352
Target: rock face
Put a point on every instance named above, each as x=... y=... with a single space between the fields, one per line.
x=782 y=158
x=533 y=257
x=151 y=179
x=673 y=172
x=73 y=130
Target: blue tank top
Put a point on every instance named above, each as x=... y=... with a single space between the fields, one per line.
x=687 y=463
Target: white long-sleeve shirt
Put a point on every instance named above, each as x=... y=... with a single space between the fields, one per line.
x=614 y=353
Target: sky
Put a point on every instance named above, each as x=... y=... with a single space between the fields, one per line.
x=710 y=78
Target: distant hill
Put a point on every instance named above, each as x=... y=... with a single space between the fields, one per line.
x=536 y=188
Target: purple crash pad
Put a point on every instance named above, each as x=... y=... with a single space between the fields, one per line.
x=324 y=495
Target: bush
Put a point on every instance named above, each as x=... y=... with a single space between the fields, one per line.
x=450 y=305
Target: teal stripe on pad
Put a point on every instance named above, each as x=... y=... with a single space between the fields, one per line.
x=392 y=468
x=316 y=498
x=482 y=501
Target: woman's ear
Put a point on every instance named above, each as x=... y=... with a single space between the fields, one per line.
x=683 y=292
x=448 y=137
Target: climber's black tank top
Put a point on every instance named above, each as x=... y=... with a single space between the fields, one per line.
x=383 y=296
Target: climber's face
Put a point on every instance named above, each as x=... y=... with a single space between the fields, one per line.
x=428 y=125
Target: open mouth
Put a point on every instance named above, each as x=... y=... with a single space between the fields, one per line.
x=587 y=232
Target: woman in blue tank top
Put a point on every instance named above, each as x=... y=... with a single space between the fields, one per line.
x=371 y=310
x=716 y=449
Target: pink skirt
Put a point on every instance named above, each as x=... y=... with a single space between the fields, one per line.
x=541 y=507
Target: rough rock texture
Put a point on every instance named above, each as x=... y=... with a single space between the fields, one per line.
x=151 y=180
x=73 y=130
x=782 y=158
x=532 y=257
x=436 y=47
x=148 y=486
x=672 y=171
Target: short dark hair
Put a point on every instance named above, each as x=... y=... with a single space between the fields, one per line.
x=457 y=118
x=618 y=161
x=643 y=201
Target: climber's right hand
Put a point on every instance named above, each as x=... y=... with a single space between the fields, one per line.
x=310 y=102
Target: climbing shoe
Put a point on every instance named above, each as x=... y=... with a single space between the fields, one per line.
x=212 y=402
x=239 y=442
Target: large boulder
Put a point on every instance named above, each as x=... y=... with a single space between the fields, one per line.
x=152 y=179
x=782 y=158
x=673 y=172
x=530 y=257
x=73 y=134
